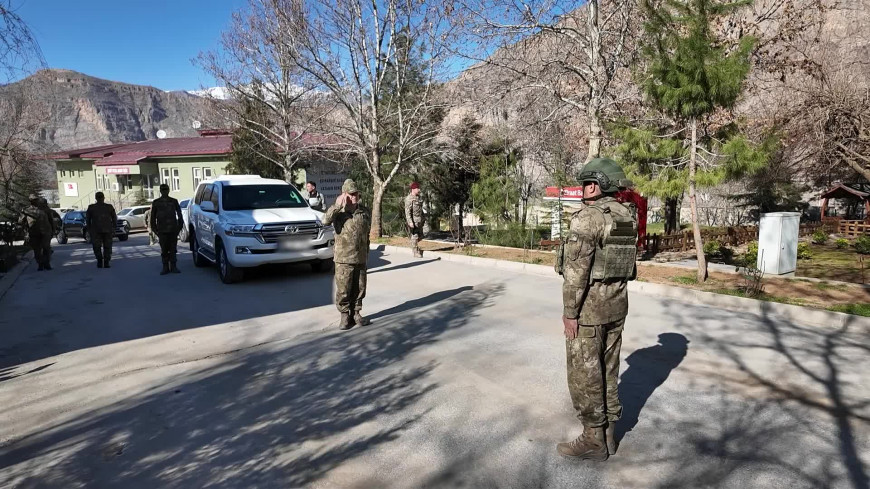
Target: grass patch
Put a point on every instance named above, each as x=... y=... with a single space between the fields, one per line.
x=859 y=309
x=830 y=263
x=685 y=280
x=827 y=286
x=762 y=297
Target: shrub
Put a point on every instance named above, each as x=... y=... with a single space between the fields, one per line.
x=862 y=244
x=712 y=247
x=820 y=237
x=841 y=243
x=750 y=258
x=803 y=251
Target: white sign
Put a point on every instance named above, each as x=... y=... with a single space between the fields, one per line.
x=556 y=224
x=71 y=189
x=117 y=170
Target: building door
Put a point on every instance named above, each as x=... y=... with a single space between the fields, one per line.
x=149 y=184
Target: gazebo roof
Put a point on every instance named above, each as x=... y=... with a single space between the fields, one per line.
x=854 y=191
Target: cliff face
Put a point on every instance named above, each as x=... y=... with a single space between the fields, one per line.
x=82 y=110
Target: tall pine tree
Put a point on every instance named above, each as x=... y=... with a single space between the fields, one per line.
x=254 y=154
x=690 y=76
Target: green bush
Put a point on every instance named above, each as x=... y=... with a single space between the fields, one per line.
x=750 y=258
x=804 y=252
x=841 y=243
x=862 y=244
x=820 y=237
x=513 y=236
x=712 y=247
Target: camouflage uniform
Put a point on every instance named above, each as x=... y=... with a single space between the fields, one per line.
x=101 y=221
x=39 y=232
x=167 y=221
x=152 y=236
x=414 y=221
x=352 y=228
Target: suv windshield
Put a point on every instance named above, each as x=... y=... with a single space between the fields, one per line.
x=243 y=197
x=124 y=212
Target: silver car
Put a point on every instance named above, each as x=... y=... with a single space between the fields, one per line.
x=134 y=217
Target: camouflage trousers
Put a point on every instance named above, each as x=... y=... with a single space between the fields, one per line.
x=350 y=287
x=152 y=237
x=416 y=234
x=168 y=247
x=593 y=373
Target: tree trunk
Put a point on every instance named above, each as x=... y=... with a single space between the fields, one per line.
x=593 y=110
x=377 y=199
x=672 y=215
x=693 y=204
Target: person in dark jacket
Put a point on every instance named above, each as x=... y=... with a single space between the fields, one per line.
x=167 y=221
x=39 y=232
x=101 y=219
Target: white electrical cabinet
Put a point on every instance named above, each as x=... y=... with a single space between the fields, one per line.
x=777 y=242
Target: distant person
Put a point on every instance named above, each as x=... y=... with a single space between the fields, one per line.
x=53 y=216
x=315 y=198
x=352 y=222
x=40 y=230
x=101 y=220
x=152 y=237
x=596 y=259
x=167 y=221
x=414 y=218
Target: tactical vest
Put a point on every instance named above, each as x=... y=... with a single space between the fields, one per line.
x=616 y=253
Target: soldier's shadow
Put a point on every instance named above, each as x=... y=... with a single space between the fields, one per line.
x=648 y=368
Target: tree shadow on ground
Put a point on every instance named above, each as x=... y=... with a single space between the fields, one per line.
x=402 y=266
x=278 y=415
x=421 y=302
x=648 y=368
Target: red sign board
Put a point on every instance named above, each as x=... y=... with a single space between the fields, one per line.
x=567 y=192
x=117 y=170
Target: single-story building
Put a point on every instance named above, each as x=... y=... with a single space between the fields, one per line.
x=129 y=173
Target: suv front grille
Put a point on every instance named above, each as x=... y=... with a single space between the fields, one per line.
x=271 y=233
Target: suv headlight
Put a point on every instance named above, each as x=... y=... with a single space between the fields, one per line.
x=241 y=230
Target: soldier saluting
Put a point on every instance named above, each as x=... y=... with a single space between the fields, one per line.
x=352 y=222
x=597 y=259
x=167 y=221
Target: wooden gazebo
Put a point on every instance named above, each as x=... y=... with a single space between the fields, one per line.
x=859 y=192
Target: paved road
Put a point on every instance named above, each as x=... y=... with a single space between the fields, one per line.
x=124 y=378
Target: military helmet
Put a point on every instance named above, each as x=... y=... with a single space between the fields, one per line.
x=606 y=173
x=349 y=187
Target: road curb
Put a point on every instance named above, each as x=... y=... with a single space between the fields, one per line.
x=797 y=314
x=11 y=277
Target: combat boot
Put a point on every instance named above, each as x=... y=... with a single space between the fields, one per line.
x=359 y=320
x=48 y=266
x=610 y=438
x=106 y=264
x=590 y=445
x=40 y=268
x=344 y=324
x=165 y=270
x=174 y=268
x=99 y=263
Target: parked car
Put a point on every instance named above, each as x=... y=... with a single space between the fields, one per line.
x=75 y=226
x=243 y=221
x=185 y=212
x=134 y=217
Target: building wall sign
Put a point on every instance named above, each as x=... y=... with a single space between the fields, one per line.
x=71 y=189
x=117 y=170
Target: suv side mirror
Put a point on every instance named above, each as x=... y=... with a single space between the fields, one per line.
x=207 y=206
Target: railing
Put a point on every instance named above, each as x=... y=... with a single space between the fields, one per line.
x=853 y=229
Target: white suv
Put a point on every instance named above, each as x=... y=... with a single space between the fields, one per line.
x=243 y=221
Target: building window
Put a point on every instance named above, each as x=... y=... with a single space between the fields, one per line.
x=81 y=173
x=63 y=173
x=129 y=182
x=164 y=176
x=207 y=173
x=197 y=176
x=99 y=182
x=176 y=180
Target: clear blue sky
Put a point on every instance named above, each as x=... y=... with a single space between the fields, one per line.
x=146 y=42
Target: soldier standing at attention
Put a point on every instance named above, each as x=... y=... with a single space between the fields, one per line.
x=352 y=222
x=167 y=221
x=39 y=232
x=597 y=259
x=414 y=218
x=101 y=219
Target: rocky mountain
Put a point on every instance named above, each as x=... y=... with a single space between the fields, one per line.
x=82 y=110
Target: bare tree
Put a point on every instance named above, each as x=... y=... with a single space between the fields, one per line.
x=20 y=54
x=382 y=63
x=579 y=56
x=256 y=65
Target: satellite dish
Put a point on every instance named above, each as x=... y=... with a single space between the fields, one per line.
x=197 y=124
x=161 y=134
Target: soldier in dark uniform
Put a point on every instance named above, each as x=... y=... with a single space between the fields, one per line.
x=39 y=232
x=101 y=220
x=352 y=222
x=597 y=259
x=167 y=221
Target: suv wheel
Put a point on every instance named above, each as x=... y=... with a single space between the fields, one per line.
x=198 y=260
x=123 y=237
x=182 y=236
x=321 y=265
x=229 y=274
x=61 y=237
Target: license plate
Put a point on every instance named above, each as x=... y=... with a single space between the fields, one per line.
x=291 y=244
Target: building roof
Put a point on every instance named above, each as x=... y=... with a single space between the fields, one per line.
x=133 y=153
x=842 y=191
